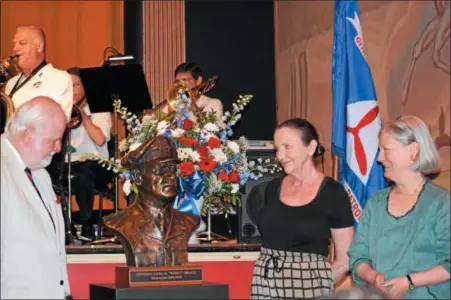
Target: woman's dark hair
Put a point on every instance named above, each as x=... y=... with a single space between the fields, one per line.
x=307 y=130
x=74 y=71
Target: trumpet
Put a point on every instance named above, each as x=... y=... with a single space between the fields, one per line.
x=75 y=119
x=202 y=88
x=170 y=104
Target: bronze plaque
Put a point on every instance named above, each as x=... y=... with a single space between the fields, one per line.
x=158 y=276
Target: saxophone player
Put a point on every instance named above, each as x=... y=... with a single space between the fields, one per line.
x=37 y=77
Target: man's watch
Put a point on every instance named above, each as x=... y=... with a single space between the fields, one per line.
x=411 y=285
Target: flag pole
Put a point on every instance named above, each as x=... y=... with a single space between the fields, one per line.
x=335 y=162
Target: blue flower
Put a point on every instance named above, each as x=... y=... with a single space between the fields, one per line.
x=167 y=133
x=223 y=136
x=125 y=175
x=244 y=176
x=253 y=176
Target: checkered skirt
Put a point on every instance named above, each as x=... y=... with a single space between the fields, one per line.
x=291 y=275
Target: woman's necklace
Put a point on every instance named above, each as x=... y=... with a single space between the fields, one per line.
x=415 y=191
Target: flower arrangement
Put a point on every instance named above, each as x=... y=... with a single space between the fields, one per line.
x=212 y=168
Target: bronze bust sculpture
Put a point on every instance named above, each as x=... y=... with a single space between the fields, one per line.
x=151 y=232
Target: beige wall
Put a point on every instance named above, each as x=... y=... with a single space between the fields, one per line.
x=392 y=31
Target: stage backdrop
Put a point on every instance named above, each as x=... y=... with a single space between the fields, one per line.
x=77 y=33
x=235 y=40
x=408 y=48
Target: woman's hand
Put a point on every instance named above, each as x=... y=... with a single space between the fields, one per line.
x=397 y=287
x=379 y=283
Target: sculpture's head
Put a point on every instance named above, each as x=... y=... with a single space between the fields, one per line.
x=153 y=167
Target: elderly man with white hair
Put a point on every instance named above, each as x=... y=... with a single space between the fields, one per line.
x=33 y=256
x=38 y=78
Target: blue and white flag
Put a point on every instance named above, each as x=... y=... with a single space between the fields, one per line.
x=356 y=121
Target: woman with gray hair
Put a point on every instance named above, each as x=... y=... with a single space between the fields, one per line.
x=401 y=246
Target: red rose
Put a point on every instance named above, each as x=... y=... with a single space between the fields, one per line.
x=186 y=168
x=207 y=164
x=213 y=142
x=187 y=124
x=187 y=141
x=223 y=176
x=203 y=151
x=234 y=177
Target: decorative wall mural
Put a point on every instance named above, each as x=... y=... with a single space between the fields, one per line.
x=298 y=100
x=408 y=49
x=443 y=139
x=437 y=34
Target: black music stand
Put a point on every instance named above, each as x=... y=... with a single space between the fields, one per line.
x=105 y=84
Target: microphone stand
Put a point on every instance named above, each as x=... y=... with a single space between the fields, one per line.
x=116 y=156
x=69 y=174
x=66 y=206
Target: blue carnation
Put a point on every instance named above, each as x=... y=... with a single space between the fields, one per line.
x=167 y=133
x=244 y=176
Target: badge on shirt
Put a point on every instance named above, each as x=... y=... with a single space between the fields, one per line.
x=38 y=83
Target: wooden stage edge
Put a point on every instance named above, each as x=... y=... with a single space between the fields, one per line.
x=119 y=258
x=101 y=261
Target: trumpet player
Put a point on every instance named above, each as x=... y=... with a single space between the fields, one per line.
x=91 y=136
x=192 y=74
x=37 y=77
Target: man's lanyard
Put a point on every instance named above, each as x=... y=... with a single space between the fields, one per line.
x=18 y=86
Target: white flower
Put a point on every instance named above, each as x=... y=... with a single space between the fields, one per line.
x=141 y=137
x=205 y=135
x=211 y=127
x=134 y=146
x=218 y=155
x=162 y=126
x=123 y=145
x=185 y=153
x=235 y=188
x=127 y=187
x=176 y=133
x=148 y=120
x=214 y=185
x=233 y=146
x=195 y=156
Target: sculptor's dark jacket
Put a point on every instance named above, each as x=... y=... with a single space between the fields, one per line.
x=142 y=240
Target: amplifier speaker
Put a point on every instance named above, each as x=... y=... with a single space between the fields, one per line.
x=247 y=229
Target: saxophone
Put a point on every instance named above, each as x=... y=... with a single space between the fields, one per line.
x=8 y=69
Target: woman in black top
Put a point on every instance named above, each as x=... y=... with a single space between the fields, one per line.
x=296 y=216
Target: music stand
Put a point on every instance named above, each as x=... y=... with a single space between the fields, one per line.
x=128 y=82
x=105 y=84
